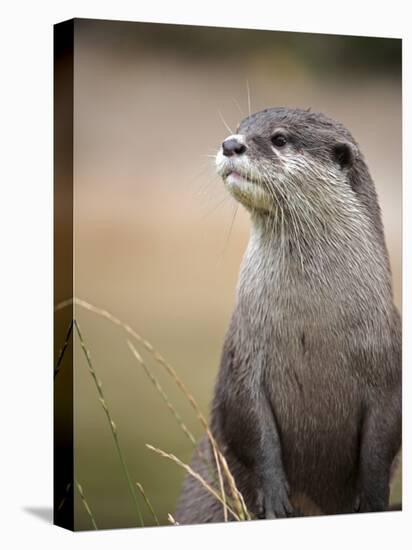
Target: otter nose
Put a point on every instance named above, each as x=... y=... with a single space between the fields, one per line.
x=232 y=146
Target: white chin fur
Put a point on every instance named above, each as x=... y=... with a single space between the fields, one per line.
x=250 y=194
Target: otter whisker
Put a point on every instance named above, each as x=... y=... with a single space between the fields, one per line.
x=228 y=128
x=204 y=187
x=235 y=101
x=215 y=207
x=232 y=223
x=248 y=98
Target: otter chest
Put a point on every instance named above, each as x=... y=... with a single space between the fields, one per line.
x=302 y=354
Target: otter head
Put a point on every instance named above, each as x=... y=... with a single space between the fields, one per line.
x=289 y=159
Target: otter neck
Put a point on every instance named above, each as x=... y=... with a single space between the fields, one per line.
x=346 y=263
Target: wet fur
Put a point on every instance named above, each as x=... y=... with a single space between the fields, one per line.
x=307 y=403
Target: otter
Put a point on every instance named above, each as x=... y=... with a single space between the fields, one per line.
x=307 y=402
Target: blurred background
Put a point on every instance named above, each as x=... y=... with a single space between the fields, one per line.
x=156 y=240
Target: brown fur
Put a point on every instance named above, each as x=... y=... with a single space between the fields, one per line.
x=307 y=403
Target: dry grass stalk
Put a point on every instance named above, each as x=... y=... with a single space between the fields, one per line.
x=159 y=388
x=63 y=349
x=112 y=425
x=86 y=506
x=195 y=475
x=172 y=520
x=147 y=501
x=219 y=458
x=63 y=500
x=181 y=423
x=237 y=495
x=65 y=303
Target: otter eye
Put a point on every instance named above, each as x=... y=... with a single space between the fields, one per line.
x=278 y=140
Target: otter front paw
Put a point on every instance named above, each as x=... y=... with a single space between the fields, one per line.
x=273 y=502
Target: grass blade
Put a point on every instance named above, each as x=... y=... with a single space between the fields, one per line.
x=63 y=500
x=218 y=456
x=180 y=422
x=147 y=501
x=195 y=475
x=63 y=349
x=85 y=504
x=112 y=425
x=159 y=388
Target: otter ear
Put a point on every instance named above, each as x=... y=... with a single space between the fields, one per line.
x=344 y=153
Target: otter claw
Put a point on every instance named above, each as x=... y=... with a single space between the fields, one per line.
x=275 y=504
